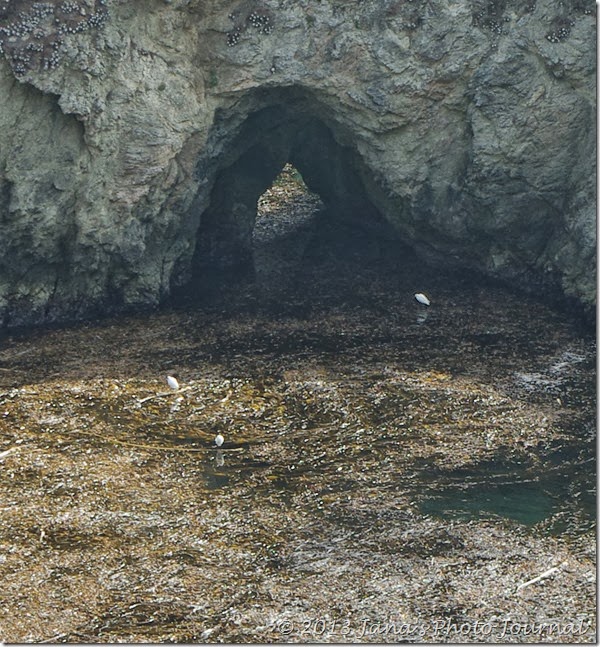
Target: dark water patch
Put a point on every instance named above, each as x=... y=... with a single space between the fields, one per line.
x=525 y=503
x=524 y=492
x=216 y=479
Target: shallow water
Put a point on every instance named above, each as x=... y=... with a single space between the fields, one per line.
x=561 y=492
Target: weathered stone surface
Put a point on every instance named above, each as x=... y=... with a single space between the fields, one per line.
x=136 y=138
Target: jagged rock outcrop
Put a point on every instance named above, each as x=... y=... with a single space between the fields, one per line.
x=136 y=137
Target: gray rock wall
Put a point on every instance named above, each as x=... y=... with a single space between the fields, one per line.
x=468 y=125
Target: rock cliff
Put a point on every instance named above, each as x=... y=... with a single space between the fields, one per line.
x=136 y=137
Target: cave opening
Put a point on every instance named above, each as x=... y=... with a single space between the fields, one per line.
x=286 y=221
x=289 y=194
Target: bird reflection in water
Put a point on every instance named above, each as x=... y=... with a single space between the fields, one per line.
x=422 y=317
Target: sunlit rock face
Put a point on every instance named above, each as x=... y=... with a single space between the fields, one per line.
x=136 y=137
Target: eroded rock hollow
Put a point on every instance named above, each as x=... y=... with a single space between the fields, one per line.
x=136 y=138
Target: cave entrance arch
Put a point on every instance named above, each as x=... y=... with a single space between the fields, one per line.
x=285 y=132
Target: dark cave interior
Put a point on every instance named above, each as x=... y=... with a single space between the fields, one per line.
x=280 y=133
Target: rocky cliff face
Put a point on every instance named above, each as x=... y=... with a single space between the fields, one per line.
x=136 y=137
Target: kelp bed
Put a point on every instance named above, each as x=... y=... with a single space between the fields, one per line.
x=388 y=473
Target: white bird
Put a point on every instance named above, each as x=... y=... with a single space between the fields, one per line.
x=421 y=298
x=172 y=382
x=219 y=440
